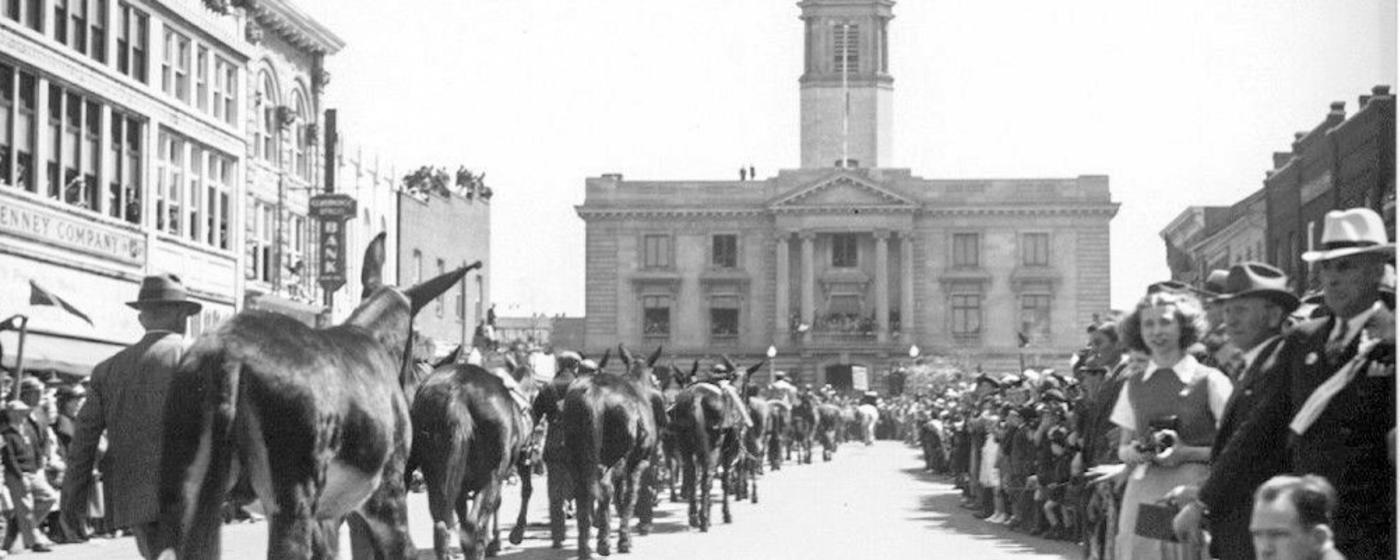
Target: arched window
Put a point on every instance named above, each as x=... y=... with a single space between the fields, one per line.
x=265 y=130
x=302 y=137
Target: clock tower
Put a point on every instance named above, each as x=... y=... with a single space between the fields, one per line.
x=846 y=88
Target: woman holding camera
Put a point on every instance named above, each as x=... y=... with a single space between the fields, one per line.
x=1168 y=415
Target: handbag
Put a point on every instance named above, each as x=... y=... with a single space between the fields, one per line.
x=1154 y=521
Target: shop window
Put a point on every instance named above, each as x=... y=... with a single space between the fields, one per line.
x=265 y=131
x=224 y=94
x=1035 y=249
x=27 y=12
x=965 y=250
x=194 y=185
x=201 y=78
x=301 y=138
x=656 y=316
x=175 y=65
x=844 y=247
x=724 y=251
x=132 y=26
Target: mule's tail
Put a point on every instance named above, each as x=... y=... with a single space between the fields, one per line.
x=199 y=449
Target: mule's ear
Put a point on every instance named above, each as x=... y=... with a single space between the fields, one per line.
x=727 y=363
x=651 y=361
x=694 y=367
x=511 y=364
x=423 y=293
x=372 y=273
x=755 y=367
x=451 y=358
x=604 y=362
x=625 y=355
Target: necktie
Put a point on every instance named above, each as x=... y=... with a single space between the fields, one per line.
x=1338 y=345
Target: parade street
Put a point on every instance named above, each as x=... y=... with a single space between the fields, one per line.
x=868 y=502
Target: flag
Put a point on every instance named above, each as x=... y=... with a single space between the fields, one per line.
x=1024 y=341
x=39 y=296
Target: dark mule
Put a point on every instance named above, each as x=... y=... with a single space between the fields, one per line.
x=830 y=427
x=709 y=429
x=804 y=426
x=469 y=431
x=314 y=419
x=779 y=438
x=671 y=458
x=756 y=440
x=610 y=435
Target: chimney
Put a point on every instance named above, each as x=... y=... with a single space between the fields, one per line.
x=1281 y=159
x=1380 y=90
x=1337 y=113
x=613 y=176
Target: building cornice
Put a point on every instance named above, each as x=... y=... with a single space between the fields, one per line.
x=615 y=212
x=1108 y=210
x=296 y=26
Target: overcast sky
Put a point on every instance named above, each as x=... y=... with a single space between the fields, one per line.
x=1180 y=103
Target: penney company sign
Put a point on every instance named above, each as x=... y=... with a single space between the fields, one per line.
x=34 y=221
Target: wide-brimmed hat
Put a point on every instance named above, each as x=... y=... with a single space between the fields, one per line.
x=162 y=289
x=1351 y=232
x=1215 y=283
x=15 y=405
x=1256 y=279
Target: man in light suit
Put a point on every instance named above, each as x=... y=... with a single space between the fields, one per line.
x=1342 y=374
x=127 y=401
x=1249 y=445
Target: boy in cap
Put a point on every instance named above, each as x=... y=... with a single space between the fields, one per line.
x=127 y=402
x=23 y=471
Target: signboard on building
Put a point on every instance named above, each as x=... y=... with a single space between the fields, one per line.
x=55 y=227
x=860 y=378
x=331 y=210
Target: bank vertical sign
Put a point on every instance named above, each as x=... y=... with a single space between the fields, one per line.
x=331 y=211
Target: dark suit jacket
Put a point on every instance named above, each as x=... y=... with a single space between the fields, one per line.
x=1250 y=447
x=1347 y=443
x=127 y=401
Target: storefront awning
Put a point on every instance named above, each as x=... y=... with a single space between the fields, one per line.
x=46 y=351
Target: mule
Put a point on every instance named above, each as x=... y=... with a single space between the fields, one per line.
x=469 y=432
x=709 y=431
x=866 y=417
x=314 y=419
x=804 y=426
x=610 y=435
x=755 y=451
x=670 y=465
x=779 y=436
x=830 y=427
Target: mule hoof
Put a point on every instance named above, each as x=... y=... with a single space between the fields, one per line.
x=493 y=548
x=643 y=529
x=556 y=545
x=728 y=519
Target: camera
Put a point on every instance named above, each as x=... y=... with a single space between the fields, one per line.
x=1160 y=432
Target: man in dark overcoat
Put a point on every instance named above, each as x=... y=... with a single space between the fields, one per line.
x=1250 y=443
x=127 y=401
x=1342 y=371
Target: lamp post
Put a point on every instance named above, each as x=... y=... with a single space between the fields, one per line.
x=772 y=353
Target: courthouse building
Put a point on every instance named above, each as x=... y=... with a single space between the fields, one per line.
x=847 y=261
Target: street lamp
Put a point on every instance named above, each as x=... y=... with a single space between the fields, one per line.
x=772 y=353
x=913 y=351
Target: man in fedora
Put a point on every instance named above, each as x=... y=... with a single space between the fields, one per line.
x=126 y=399
x=1342 y=376
x=1250 y=442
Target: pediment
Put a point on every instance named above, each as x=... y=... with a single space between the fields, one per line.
x=843 y=191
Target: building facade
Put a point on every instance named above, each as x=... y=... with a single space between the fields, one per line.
x=1343 y=162
x=439 y=232
x=845 y=263
x=143 y=136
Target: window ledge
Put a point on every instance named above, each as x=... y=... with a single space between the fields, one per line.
x=1025 y=276
x=964 y=275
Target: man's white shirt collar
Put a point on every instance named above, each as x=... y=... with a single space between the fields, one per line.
x=1355 y=324
x=1250 y=355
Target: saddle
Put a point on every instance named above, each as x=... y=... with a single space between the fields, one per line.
x=521 y=401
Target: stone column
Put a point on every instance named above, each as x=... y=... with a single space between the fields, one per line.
x=809 y=281
x=906 y=286
x=782 y=325
x=882 y=286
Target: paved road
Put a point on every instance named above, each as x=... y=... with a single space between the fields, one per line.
x=869 y=502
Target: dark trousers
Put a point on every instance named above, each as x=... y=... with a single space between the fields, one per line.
x=148 y=540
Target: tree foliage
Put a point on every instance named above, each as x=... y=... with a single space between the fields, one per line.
x=430 y=179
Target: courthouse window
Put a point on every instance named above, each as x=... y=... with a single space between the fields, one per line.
x=1035 y=316
x=966 y=314
x=965 y=250
x=846 y=42
x=843 y=250
x=724 y=251
x=1035 y=249
x=656 y=316
x=724 y=317
x=131 y=42
x=656 y=251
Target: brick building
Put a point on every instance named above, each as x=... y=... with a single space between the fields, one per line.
x=438 y=232
x=847 y=262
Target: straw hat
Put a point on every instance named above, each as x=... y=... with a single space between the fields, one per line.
x=1353 y=231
